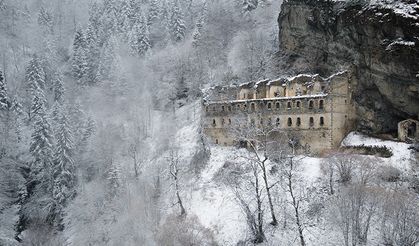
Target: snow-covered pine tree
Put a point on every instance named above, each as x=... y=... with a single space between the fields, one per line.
x=139 y=37
x=114 y=180
x=177 y=23
x=249 y=5
x=196 y=36
x=153 y=12
x=58 y=88
x=41 y=146
x=106 y=61
x=4 y=101
x=79 y=62
x=35 y=75
x=45 y=20
x=63 y=169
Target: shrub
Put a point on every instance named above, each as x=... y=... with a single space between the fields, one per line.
x=389 y=174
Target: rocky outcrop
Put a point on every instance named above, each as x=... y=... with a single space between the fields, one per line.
x=378 y=42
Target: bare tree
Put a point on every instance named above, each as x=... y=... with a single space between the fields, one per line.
x=174 y=174
x=400 y=218
x=262 y=147
x=290 y=173
x=357 y=203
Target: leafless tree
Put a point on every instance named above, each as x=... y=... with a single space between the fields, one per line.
x=400 y=218
x=262 y=146
x=358 y=202
x=174 y=169
x=290 y=174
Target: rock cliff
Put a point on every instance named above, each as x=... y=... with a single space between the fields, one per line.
x=378 y=41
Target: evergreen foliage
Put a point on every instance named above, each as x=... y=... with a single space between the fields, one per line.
x=177 y=23
x=35 y=75
x=4 y=104
x=139 y=37
x=79 y=62
x=63 y=169
x=249 y=5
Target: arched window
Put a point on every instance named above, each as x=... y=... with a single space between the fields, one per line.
x=288 y=105
x=311 y=122
x=269 y=106
x=298 y=121
x=277 y=122
x=244 y=107
x=298 y=104
x=322 y=121
x=321 y=104
x=289 y=122
x=216 y=141
x=229 y=121
x=214 y=123
x=222 y=108
x=229 y=108
x=261 y=122
x=310 y=104
x=277 y=105
x=252 y=106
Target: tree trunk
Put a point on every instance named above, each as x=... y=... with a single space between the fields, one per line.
x=274 y=221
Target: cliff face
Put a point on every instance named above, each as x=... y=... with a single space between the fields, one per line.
x=378 y=42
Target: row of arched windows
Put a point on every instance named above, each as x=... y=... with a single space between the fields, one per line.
x=270 y=105
x=277 y=122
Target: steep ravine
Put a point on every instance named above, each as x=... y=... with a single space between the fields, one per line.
x=379 y=42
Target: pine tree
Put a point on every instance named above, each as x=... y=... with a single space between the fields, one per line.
x=249 y=5
x=35 y=75
x=106 y=61
x=177 y=24
x=58 y=88
x=4 y=101
x=41 y=143
x=79 y=63
x=197 y=36
x=45 y=19
x=93 y=53
x=63 y=169
x=139 y=37
x=114 y=180
x=153 y=12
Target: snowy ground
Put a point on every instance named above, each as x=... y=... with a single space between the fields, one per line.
x=401 y=158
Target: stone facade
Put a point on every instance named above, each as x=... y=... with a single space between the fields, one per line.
x=320 y=112
x=408 y=130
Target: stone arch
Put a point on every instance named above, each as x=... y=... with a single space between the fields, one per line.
x=298 y=121
x=311 y=122
x=321 y=121
x=252 y=107
x=289 y=122
x=321 y=104
x=310 y=104
x=412 y=129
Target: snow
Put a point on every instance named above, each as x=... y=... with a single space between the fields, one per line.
x=402 y=155
x=400 y=42
x=215 y=205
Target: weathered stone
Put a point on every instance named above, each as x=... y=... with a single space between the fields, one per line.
x=379 y=45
